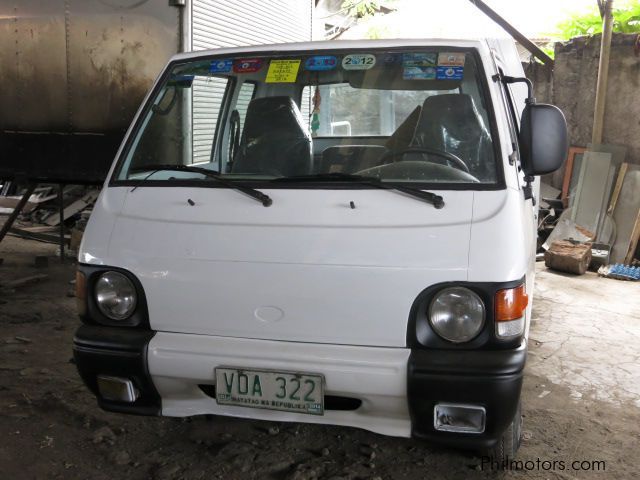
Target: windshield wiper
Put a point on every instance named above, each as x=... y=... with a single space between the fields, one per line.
x=436 y=200
x=213 y=174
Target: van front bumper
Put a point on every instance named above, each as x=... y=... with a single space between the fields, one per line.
x=398 y=387
x=491 y=379
x=120 y=353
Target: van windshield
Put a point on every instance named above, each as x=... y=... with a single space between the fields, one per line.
x=416 y=116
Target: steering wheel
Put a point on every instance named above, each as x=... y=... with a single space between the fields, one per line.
x=448 y=157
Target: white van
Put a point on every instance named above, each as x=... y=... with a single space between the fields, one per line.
x=337 y=232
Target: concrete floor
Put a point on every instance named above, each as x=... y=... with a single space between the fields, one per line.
x=581 y=401
x=585 y=335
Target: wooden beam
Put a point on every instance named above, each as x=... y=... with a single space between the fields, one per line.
x=603 y=74
x=16 y=211
x=633 y=244
x=617 y=188
x=514 y=32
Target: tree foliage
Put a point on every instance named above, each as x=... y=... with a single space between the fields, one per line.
x=360 y=8
x=626 y=19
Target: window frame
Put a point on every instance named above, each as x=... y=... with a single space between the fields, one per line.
x=483 y=82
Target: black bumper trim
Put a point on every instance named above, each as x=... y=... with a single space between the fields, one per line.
x=492 y=379
x=119 y=352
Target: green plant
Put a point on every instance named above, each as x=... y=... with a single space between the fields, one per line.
x=626 y=19
x=360 y=8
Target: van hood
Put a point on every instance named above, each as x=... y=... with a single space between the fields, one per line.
x=309 y=268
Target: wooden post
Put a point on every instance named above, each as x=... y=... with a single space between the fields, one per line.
x=61 y=213
x=514 y=32
x=603 y=74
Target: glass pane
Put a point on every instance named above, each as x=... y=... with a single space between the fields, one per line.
x=208 y=94
x=415 y=116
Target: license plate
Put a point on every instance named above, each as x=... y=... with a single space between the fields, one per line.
x=286 y=391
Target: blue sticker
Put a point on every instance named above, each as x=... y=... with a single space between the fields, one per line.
x=221 y=66
x=321 y=63
x=419 y=73
x=450 y=73
x=419 y=59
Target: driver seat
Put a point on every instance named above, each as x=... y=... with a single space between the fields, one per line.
x=451 y=123
x=274 y=140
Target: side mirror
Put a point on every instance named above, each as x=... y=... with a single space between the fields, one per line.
x=543 y=139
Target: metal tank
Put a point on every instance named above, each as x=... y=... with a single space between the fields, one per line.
x=72 y=75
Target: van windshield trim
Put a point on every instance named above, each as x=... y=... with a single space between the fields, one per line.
x=485 y=92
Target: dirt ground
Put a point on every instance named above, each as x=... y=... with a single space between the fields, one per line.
x=581 y=401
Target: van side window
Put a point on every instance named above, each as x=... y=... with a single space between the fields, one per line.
x=208 y=94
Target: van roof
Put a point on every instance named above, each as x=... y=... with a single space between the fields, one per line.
x=333 y=45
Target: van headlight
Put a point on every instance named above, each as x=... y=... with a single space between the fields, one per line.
x=115 y=295
x=457 y=314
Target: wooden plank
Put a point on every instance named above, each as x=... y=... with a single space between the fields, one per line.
x=625 y=214
x=74 y=208
x=616 y=190
x=515 y=33
x=12 y=218
x=633 y=244
x=38 y=236
x=21 y=282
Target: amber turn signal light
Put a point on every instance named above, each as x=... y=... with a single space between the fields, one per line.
x=511 y=303
x=81 y=293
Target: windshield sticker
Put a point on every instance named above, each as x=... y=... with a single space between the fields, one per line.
x=419 y=59
x=392 y=58
x=321 y=63
x=450 y=73
x=283 y=71
x=358 y=61
x=247 y=65
x=419 y=73
x=451 y=59
x=221 y=66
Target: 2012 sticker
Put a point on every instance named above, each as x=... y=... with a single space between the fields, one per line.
x=221 y=66
x=450 y=73
x=283 y=71
x=321 y=63
x=358 y=61
x=451 y=59
x=247 y=65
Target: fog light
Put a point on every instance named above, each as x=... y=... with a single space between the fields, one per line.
x=117 y=389
x=451 y=417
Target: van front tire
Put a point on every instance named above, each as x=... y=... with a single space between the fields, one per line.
x=509 y=443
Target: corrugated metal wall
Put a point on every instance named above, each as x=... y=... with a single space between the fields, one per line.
x=231 y=23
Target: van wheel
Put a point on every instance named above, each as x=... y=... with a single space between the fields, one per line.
x=510 y=441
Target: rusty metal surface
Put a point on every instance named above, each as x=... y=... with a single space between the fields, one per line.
x=73 y=73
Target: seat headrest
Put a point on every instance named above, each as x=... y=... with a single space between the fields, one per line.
x=455 y=112
x=459 y=104
x=270 y=113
